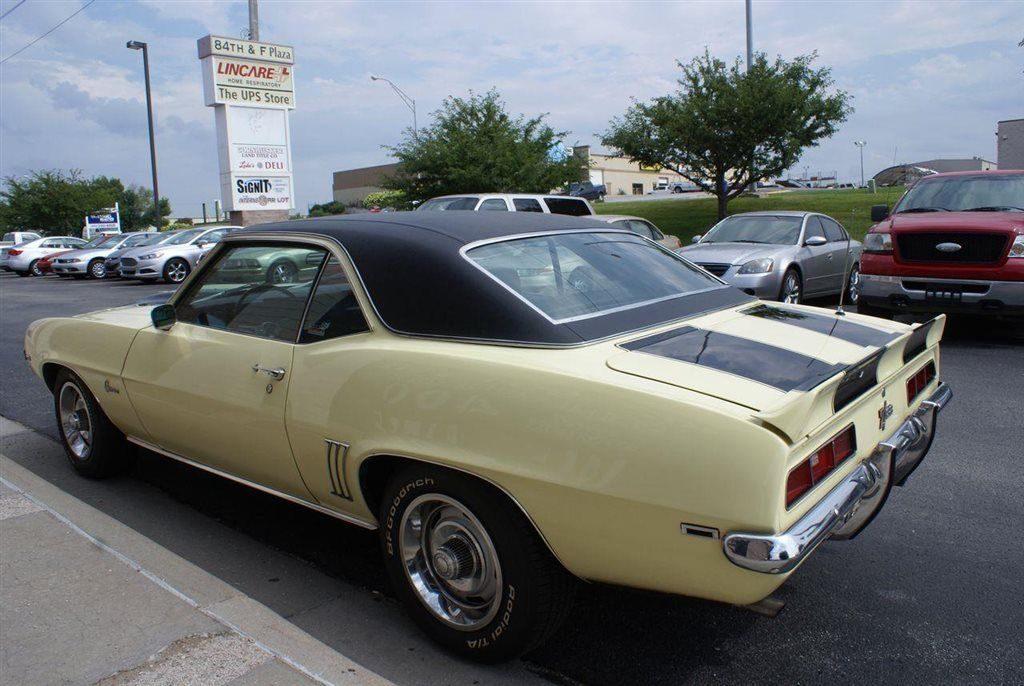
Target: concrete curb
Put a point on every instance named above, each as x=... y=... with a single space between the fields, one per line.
x=206 y=593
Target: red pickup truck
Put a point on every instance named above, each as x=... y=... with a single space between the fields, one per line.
x=953 y=243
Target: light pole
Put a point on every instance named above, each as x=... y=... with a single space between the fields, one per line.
x=750 y=35
x=409 y=102
x=861 y=144
x=139 y=45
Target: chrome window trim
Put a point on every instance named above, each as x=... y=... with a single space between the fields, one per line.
x=464 y=253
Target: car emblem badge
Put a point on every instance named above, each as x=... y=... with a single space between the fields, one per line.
x=109 y=388
x=884 y=412
x=948 y=247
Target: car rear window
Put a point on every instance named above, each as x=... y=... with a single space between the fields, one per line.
x=441 y=204
x=577 y=275
x=574 y=207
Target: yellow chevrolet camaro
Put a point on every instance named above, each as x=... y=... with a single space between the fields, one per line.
x=515 y=402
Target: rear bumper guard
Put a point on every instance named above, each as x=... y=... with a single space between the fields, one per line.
x=850 y=506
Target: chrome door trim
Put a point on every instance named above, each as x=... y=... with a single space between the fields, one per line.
x=252 y=484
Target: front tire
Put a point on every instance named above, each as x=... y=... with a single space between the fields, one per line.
x=93 y=445
x=97 y=269
x=792 y=287
x=853 y=285
x=34 y=270
x=176 y=270
x=468 y=566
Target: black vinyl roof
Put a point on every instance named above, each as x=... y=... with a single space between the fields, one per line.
x=420 y=284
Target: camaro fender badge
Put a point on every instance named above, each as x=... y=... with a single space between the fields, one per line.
x=109 y=388
x=884 y=412
x=337 y=461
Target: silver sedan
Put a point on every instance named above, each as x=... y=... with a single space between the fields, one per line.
x=785 y=256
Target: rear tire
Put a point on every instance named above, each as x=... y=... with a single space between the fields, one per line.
x=486 y=586
x=97 y=269
x=33 y=269
x=93 y=445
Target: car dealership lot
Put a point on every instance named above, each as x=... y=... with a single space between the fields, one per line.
x=928 y=593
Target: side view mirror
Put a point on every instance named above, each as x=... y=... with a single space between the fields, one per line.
x=815 y=240
x=164 y=317
x=879 y=212
x=696 y=239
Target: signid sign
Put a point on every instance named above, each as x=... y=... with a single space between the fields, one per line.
x=261 y=192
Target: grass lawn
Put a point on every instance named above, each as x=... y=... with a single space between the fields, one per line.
x=686 y=218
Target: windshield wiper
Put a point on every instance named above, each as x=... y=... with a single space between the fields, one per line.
x=914 y=210
x=994 y=208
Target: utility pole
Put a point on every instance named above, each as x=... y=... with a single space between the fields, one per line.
x=254 y=20
x=139 y=45
x=750 y=35
x=861 y=144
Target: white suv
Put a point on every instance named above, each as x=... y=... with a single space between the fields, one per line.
x=510 y=202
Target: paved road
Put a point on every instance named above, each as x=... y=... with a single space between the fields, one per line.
x=929 y=593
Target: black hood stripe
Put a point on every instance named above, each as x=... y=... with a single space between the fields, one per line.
x=767 y=364
x=842 y=329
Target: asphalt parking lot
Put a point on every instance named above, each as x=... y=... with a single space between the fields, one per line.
x=930 y=593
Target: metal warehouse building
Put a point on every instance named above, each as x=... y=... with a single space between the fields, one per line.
x=1010 y=144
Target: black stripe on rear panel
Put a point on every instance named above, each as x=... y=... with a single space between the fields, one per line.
x=826 y=324
x=918 y=341
x=767 y=364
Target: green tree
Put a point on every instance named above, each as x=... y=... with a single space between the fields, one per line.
x=725 y=128
x=326 y=209
x=54 y=202
x=136 y=203
x=475 y=145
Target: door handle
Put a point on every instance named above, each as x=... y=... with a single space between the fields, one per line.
x=828 y=256
x=276 y=374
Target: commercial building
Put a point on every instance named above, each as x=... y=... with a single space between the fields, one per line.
x=1010 y=144
x=908 y=173
x=621 y=176
x=352 y=185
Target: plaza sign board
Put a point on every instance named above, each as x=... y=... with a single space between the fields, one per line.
x=235 y=47
x=231 y=81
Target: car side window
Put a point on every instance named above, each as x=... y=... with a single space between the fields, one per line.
x=493 y=205
x=640 y=228
x=574 y=207
x=135 y=240
x=53 y=243
x=527 y=205
x=833 y=232
x=656 y=233
x=813 y=228
x=334 y=310
x=259 y=290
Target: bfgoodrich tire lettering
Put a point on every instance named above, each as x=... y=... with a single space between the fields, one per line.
x=461 y=519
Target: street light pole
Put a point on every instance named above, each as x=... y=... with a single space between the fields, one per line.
x=139 y=45
x=254 y=20
x=750 y=35
x=861 y=144
x=409 y=102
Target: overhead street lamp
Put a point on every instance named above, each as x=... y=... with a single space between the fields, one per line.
x=139 y=45
x=409 y=102
x=861 y=144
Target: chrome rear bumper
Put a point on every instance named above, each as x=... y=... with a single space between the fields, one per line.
x=850 y=506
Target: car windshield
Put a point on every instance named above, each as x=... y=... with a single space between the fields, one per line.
x=441 y=204
x=183 y=237
x=756 y=229
x=967 y=193
x=155 y=239
x=99 y=240
x=572 y=276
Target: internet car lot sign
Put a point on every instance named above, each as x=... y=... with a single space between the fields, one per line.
x=251 y=87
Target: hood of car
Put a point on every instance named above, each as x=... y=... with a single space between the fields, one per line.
x=730 y=253
x=957 y=221
x=756 y=354
x=86 y=254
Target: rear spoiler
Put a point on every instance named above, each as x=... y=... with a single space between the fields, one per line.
x=801 y=411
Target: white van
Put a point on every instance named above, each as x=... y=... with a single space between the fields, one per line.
x=510 y=202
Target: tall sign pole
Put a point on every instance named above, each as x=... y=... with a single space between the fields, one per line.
x=750 y=35
x=251 y=87
x=254 y=20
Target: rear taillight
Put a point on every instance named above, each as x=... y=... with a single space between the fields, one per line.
x=12 y=251
x=919 y=381
x=805 y=475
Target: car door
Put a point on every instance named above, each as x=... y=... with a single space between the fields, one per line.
x=839 y=245
x=213 y=387
x=816 y=260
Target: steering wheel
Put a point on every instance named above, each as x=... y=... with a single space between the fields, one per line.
x=259 y=290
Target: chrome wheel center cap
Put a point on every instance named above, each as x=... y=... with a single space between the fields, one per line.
x=454 y=559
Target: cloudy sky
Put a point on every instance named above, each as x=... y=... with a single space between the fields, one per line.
x=929 y=79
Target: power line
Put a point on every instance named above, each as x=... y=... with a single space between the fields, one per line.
x=16 y=6
x=60 y=24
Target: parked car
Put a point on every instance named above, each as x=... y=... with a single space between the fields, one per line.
x=171 y=260
x=588 y=190
x=45 y=264
x=15 y=237
x=510 y=202
x=511 y=401
x=953 y=243
x=90 y=260
x=113 y=260
x=23 y=259
x=682 y=187
x=641 y=227
x=785 y=256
